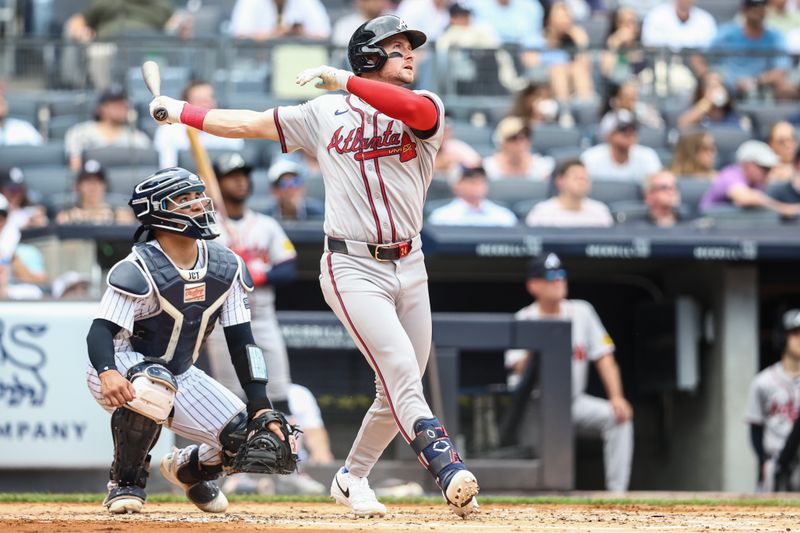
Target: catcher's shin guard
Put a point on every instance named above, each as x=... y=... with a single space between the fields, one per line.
x=134 y=436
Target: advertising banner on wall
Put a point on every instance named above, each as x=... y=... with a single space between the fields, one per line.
x=48 y=417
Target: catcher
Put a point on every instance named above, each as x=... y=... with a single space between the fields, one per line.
x=161 y=303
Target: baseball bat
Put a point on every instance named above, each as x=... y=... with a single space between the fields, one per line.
x=206 y=171
x=152 y=78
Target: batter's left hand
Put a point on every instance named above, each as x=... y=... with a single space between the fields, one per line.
x=622 y=410
x=331 y=79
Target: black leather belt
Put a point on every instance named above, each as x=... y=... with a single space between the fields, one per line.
x=380 y=252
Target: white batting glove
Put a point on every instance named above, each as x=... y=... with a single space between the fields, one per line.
x=172 y=106
x=331 y=79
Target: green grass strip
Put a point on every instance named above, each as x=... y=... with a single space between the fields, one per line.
x=43 y=497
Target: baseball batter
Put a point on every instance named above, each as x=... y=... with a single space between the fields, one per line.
x=376 y=145
x=772 y=411
x=612 y=418
x=161 y=302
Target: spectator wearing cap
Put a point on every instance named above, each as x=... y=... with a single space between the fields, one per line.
x=678 y=24
x=470 y=207
x=513 y=158
x=572 y=207
x=288 y=190
x=24 y=212
x=753 y=56
x=171 y=140
x=13 y=130
x=70 y=285
x=782 y=138
x=109 y=128
x=91 y=206
x=363 y=10
x=612 y=418
x=621 y=157
x=742 y=184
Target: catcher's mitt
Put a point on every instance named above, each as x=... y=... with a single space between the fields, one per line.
x=263 y=452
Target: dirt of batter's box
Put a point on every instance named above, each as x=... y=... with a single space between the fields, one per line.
x=330 y=518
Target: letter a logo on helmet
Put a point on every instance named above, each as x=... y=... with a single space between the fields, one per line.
x=364 y=52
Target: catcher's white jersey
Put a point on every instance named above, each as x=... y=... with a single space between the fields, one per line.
x=376 y=170
x=773 y=402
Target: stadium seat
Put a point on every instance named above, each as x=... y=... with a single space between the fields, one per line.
x=585 y=113
x=431 y=205
x=597 y=29
x=564 y=153
x=610 y=191
x=728 y=139
x=653 y=137
x=523 y=207
x=249 y=153
x=549 y=136
x=721 y=10
x=628 y=211
x=122 y=179
x=736 y=217
x=57 y=126
x=765 y=114
x=510 y=191
x=122 y=156
x=315 y=188
x=51 y=153
x=479 y=138
x=692 y=191
x=439 y=189
x=49 y=180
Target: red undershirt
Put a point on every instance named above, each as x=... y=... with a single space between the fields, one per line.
x=417 y=111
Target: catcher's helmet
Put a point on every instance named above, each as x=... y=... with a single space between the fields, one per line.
x=154 y=204
x=363 y=51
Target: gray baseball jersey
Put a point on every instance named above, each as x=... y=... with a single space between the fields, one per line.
x=261 y=241
x=376 y=172
x=590 y=415
x=773 y=402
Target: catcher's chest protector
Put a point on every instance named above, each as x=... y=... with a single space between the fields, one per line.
x=189 y=308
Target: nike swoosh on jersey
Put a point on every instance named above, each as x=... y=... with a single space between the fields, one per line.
x=345 y=492
x=342 y=112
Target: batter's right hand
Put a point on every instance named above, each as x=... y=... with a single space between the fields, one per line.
x=172 y=106
x=115 y=388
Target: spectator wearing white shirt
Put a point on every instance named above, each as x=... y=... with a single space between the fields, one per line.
x=262 y=20
x=13 y=130
x=364 y=10
x=678 y=24
x=470 y=206
x=572 y=207
x=515 y=21
x=171 y=139
x=620 y=157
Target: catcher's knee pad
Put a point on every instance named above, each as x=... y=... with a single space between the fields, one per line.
x=155 y=388
x=134 y=436
x=435 y=450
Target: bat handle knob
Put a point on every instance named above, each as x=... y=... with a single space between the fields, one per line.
x=160 y=114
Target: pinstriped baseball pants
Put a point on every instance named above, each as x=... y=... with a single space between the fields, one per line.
x=386 y=309
x=202 y=406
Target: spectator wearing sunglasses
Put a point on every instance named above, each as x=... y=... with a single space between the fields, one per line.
x=662 y=197
x=782 y=138
x=621 y=157
x=514 y=158
x=288 y=189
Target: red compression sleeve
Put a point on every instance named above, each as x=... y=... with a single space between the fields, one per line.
x=418 y=111
x=193 y=116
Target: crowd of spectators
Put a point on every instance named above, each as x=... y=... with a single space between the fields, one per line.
x=568 y=66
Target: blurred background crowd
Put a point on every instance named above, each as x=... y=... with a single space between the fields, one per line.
x=568 y=113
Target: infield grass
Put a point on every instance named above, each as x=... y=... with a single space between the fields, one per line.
x=44 y=497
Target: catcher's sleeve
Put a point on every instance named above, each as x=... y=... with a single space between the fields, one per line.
x=255 y=387
x=100 y=344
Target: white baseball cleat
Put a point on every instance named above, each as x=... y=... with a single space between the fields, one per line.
x=460 y=493
x=355 y=493
x=206 y=495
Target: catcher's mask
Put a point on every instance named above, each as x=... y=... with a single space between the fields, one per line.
x=363 y=51
x=157 y=204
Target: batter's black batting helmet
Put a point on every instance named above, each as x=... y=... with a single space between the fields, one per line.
x=154 y=202
x=363 y=51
